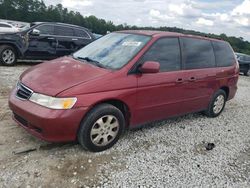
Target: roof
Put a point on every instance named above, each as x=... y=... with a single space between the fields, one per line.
x=150 y=32
x=155 y=33
x=58 y=23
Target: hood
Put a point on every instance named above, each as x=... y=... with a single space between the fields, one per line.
x=53 y=77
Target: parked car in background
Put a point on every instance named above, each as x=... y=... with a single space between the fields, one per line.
x=244 y=62
x=7 y=28
x=123 y=80
x=43 y=41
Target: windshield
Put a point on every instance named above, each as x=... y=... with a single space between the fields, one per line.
x=113 y=50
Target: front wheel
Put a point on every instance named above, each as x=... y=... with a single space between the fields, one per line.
x=247 y=73
x=8 y=56
x=216 y=104
x=101 y=128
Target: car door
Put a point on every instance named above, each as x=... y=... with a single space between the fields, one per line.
x=66 y=40
x=160 y=95
x=41 y=42
x=199 y=73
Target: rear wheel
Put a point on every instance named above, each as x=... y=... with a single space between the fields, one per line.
x=101 y=128
x=216 y=104
x=8 y=56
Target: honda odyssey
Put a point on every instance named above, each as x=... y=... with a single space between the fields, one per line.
x=123 y=80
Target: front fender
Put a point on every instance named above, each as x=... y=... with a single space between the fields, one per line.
x=16 y=41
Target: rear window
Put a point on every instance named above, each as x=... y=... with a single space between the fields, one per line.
x=64 y=31
x=198 y=53
x=223 y=54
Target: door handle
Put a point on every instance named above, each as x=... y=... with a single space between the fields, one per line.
x=179 y=80
x=74 y=39
x=51 y=38
x=192 y=79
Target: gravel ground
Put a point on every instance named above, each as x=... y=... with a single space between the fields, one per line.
x=165 y=154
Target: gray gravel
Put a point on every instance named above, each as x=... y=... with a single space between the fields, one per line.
x=170 y=153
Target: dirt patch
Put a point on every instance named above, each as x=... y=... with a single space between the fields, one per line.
x=81 y=171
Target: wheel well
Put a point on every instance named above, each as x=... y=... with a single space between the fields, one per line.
x=226 y=89
x=18 y=53
x=121 y=106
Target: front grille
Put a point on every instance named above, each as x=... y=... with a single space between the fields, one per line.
x=23 y=92
x=21 y=120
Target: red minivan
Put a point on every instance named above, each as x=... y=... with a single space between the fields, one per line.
x=123 y=80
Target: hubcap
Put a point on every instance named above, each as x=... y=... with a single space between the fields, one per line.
x=218 y=104
x=8 y=56
x=104 y=130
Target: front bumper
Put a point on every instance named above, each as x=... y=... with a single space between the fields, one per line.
x=44 y=123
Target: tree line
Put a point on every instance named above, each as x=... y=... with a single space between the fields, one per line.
x=37 y=10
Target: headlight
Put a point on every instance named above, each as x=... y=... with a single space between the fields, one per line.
x=53 y=102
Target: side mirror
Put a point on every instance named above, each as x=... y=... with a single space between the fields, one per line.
x=150 y=67
x=35 y=32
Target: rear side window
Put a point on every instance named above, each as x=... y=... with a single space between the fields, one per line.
x=64 y=31
x=166 y=51
x=81 y=33
x=46 y=29
x=223 y=54
x=3 y=25
x=198 y=53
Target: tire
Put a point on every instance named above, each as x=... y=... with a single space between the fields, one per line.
x=218 y=98
x=8 y=55
x=247 y=73
x=100 y=124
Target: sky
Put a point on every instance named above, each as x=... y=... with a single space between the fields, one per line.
x=231 y=17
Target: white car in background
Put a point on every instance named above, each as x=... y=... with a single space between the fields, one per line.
x=8 y=28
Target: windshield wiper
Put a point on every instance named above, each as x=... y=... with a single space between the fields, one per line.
x=88 y=59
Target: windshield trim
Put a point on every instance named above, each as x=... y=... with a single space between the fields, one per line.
x=91 y=61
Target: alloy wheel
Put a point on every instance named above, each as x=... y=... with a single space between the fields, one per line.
x=104 y=130
x=8 y=56
x=218 y=104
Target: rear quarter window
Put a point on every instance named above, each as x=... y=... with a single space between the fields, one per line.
x=81 y=33
x=224 y=54
x=197 y=53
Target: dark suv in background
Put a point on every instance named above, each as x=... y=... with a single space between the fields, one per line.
x=244 y=62
x=43 y=41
